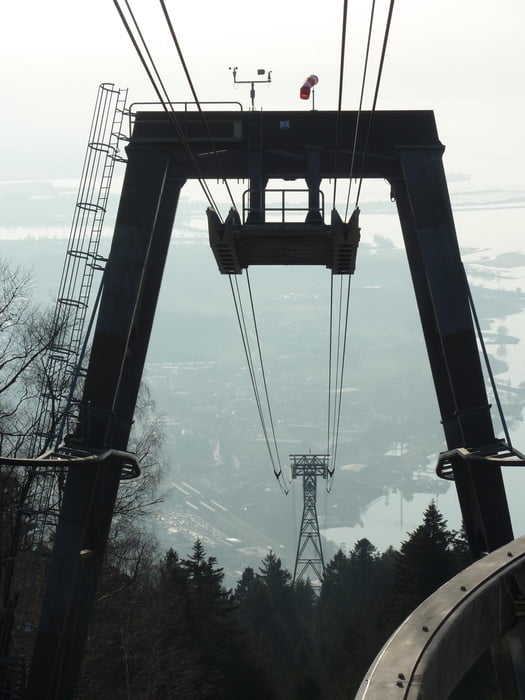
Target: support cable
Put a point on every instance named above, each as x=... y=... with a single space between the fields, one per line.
x=294 y=516
x=277 y=472
x=238 y=306
x=361 y=99
x=340 y=389
x=241 y=319
x=194 y=93
x=332 y=423
x=339 y=366
x=330 y=337
x=263 y=373
x=163 y=98
x=338 y=393
x=487 y=362
x=324 y=513
x=249 y=359
x=376 y=93
x=340 y=95
x=331 y=312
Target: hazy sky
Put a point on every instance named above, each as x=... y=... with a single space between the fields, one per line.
x=463 y=59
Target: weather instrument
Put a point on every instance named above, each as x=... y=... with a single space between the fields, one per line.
x=308 y=87
x=260 y=72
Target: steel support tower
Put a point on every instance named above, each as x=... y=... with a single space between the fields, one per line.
x=309 y=561
x=166 y=150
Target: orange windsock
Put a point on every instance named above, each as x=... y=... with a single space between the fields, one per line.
x=308 y=85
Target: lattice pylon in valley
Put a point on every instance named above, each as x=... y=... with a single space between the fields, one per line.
x=309 y=561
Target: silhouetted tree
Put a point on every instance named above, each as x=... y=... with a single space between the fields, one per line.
x=425 y=561
x=244 y=584
x=350 y=625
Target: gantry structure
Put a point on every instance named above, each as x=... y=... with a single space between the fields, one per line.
x=165 y=150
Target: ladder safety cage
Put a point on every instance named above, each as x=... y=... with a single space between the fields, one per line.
x=82 y=260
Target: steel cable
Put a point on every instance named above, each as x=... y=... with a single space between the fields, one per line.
x=340 y=96
x=376 y=93
x=278 y=473
x=487 y=361
x=263 y=374
x=334 y=428
x=340 y=365
x=249 y=358
x=194 y=93
x=240 y=313
x=361 y=99
x=330 y=337
x=163 y=98
x=339 y=393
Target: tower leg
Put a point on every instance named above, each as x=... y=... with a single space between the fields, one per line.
x=131 y=286
x=442 y=296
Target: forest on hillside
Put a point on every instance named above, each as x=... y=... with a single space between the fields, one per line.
x=171 y=629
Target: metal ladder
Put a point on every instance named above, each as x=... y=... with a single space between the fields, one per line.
x=82 y=260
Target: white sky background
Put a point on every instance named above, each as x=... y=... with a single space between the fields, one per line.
x=465 y=60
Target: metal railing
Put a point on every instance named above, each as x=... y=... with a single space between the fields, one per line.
x=281 y=209
x=480 y=609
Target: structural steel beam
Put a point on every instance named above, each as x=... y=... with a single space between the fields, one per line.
x=285 y=145
x=442 y=296
x=131 y=285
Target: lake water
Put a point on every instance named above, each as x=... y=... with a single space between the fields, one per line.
x=389 y=520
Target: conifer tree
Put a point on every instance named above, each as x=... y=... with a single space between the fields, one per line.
x=248 y=578
x=350 y=616
x=274 y=577
x=426 y=561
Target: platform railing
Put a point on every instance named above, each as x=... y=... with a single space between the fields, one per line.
x=278 y=207
x=480 y=609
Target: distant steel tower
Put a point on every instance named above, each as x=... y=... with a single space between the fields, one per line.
x=309 y=562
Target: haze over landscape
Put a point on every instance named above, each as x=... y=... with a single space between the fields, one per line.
x=195 y=366
x=218 y=483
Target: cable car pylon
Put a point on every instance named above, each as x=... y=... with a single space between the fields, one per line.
x=309 y=560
